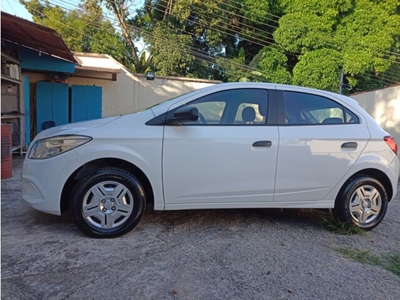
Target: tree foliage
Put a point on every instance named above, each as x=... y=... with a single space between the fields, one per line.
x=359 y=38
x=303 y=42
x=170 y=56
x=83 y=29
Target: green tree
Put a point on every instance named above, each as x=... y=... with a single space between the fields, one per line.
x=304 y=42
x=318 y=69
x=83 y=29
x=358 y=38
x=273 y=65
x=215 y=31
x=369 y=37
x=123 y=14
x=170 y=56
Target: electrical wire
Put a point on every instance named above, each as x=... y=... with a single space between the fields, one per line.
x=329 y=35
x=9 y=6
x=203 y=53
x=196 y=55
x=207 y=57
x=387 y=80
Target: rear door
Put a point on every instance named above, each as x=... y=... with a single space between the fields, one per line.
x=227 y=158
x=320 y=140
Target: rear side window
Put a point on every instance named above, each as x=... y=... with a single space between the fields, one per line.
x=308 y=109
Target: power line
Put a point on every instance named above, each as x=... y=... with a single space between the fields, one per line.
x=211 y=60
x=264 y=44
x=388 y=80
x=233 y=34
x=203 y=53
x=241 y=4
x=228 y=24
x=195 y=54
x=330 y=36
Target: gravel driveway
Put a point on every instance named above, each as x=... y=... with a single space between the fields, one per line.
x=203 y=254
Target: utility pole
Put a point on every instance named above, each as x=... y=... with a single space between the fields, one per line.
x=341 y=83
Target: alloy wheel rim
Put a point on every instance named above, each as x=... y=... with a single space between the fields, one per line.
x=365 y=205
x=107 y=204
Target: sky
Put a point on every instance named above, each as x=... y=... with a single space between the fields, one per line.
x=13 y=7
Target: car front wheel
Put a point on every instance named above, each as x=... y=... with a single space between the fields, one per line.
x=362 y=202
x=108 y=203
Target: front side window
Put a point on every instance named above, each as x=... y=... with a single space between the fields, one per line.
x=232 y=107
x=210 y=111
x=308 y=109
x=249 y=113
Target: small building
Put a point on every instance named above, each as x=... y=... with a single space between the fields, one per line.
x=124 y=92
x=27 y=46
x=44 y=84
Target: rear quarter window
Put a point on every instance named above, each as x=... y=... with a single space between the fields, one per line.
x=309 y=109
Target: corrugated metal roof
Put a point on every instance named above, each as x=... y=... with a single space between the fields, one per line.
x=34 y=36
x=97 y=69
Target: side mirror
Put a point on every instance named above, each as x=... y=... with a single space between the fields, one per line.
x=184 y=114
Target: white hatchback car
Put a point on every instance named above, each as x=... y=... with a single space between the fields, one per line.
x=231 y=145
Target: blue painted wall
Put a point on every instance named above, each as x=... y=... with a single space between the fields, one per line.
x=86 y=102
x=52 y=104
x=30 y=60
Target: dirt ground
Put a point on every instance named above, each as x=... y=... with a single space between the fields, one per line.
x=201 y=254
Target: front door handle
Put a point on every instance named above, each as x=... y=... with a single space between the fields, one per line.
x=349 y=145
x=266 y=144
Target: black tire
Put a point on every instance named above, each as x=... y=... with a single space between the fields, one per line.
x=107 y=203
x=362 y=202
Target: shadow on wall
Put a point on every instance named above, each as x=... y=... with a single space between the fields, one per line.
x=387 y=109
x=384 y=106
x=149 y=92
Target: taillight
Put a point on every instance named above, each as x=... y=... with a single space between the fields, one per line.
x=391 y=143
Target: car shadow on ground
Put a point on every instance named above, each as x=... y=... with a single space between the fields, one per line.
x=285 y=217
x=201 y=218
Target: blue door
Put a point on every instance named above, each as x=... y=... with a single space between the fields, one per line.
x=86 y=102
x=51 y=104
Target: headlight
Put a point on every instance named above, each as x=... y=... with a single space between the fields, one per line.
x=53 y=146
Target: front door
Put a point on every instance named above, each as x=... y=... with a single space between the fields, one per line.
x=225 y=159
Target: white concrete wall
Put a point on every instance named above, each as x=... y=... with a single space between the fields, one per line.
x=384 y=106
x=131 y=93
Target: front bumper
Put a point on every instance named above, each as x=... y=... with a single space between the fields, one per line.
x=43 y=180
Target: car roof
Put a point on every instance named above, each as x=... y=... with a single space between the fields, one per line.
x=163 y=106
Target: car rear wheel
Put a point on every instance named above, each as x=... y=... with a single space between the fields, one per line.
x=362 y=202
x=108 y=203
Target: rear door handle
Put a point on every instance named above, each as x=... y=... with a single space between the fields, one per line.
x=266 y=144
x=349 y=145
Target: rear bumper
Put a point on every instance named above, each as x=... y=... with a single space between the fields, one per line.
x=393 y=174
